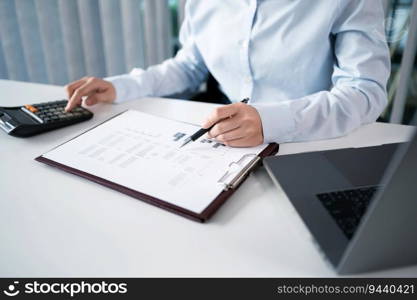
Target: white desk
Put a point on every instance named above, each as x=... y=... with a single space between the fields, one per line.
x=55 y=224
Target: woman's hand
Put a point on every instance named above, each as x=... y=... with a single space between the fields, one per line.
x=95 y=89
x=237 y=125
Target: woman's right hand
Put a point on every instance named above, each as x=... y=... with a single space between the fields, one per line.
x=95 y=89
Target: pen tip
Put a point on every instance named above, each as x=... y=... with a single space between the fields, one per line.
x=186 y=142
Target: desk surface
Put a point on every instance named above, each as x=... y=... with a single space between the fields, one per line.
x=55 y=224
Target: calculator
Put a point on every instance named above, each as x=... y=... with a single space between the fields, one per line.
x=31 y=119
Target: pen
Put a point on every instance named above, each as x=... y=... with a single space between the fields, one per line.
x=203 y=131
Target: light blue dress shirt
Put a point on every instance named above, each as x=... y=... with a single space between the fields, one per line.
x=313 y=69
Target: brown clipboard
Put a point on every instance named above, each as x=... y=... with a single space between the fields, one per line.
x=209 y=211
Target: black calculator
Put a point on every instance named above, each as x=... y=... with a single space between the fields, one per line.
x=28 y=120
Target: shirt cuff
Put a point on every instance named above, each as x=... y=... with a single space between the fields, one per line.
x=277 y=121
x=117 y=82
x=128 y=86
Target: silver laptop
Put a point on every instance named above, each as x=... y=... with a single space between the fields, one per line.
x=360 y=204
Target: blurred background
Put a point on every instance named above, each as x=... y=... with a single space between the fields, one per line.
x=58 y=41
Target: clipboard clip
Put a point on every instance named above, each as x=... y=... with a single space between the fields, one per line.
x=238 y=170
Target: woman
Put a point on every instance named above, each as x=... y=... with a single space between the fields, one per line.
x=312 y=69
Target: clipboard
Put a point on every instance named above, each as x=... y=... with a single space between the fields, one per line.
x=231 y=180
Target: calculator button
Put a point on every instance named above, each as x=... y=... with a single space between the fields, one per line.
x=30 y=113
x=31 y=108
x=51 y=113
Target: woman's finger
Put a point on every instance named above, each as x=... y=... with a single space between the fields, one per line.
x=224 y=126
x=70 y=88
x=232 y=135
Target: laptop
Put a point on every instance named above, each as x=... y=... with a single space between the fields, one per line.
x=360 y=204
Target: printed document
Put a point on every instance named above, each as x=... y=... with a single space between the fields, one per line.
x=142 y=152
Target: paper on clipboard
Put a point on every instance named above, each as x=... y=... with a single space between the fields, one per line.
x=141 y=152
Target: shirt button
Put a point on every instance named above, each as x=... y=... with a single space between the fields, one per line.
x=244 y=43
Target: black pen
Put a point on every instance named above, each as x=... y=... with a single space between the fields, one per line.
x=203 y=131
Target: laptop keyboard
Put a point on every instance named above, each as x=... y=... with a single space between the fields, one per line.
x=348 y=207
